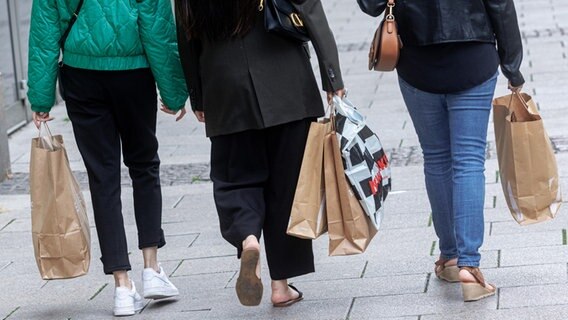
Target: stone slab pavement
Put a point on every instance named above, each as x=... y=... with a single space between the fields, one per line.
x=392 y=280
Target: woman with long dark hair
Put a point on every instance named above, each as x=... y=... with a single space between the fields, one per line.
x=257 y=94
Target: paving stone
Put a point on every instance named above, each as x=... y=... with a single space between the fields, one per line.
x=401 y=221
x=559 y=312
x=497 y=215
x=534 y=256
x=68 y=310
x=415 y=305
x=352 y=269
x=410 y=202
x=512 y=227
x=208 y=265
x=529 y=240
x=333 y=309
x=527 y=275
x=531 y=296
x=528 y=263
x=382 y=265
x=364 y=287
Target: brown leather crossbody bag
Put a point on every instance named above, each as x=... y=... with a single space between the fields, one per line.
x=386 y=44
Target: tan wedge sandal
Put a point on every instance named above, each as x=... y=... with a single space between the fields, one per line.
x=447 y=273
x=473 y=291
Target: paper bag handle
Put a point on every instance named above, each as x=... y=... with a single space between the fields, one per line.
x=46 y=141
x=46 y=127
x=523 y=113
x=520 y=96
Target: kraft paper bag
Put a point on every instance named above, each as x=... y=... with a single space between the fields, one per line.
x=308 y=217
x=527 y=164
x=350 y=229
x=60 y=227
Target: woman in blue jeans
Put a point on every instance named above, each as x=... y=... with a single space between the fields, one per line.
x=447 y=74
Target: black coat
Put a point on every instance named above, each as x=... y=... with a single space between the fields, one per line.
x=425 y=22
x=262 y=79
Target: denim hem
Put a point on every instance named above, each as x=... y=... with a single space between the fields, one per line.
x=448 y=257
x=468 y=264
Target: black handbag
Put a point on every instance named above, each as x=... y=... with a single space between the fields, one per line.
x=281 y=17
x=60 y=69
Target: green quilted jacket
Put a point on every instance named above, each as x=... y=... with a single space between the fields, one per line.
x=108 y=35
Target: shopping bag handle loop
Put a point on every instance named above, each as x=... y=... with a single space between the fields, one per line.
x=347 y=109
x=45 y=138
x=520 y=97
x=44 y=125
x=332 y=108
x=519 y=113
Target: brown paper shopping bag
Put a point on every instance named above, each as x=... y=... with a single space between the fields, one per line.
x=350 y=229
x=527 y=165
x=308 y=218
x=60 y=227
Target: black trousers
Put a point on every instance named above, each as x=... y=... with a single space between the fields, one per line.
x=111 y=110
x=254 y=176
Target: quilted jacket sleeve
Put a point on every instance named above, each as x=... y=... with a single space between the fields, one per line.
x=43 y=54
x=158 y=34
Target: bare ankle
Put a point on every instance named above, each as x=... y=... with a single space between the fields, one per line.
x=251 y=242
x=451 y=262
x=448 y=262
x=279 y=285
x=151 y=258
x=121 y=279
x=152 y=265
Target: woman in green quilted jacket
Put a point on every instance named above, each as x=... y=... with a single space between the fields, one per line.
x=113 y=56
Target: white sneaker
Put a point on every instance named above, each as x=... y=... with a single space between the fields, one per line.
x=157 y=285
x=127 y=301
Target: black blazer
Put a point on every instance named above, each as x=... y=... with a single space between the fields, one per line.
x=425 y=22
x=262 y=79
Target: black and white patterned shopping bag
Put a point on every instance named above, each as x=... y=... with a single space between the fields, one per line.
x=365 y=161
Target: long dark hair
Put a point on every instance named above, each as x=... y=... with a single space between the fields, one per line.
x=216 y=19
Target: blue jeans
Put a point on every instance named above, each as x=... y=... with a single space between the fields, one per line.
x=452 y=129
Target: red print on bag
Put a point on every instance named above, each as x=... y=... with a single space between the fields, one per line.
x=377 y=180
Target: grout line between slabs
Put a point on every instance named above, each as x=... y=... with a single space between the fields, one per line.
x=364 y=269
x=11 y=313
x=7 y=224
x=98 y=291
x=350 y=308
x=428 y=277
x=178 y=201
x=177 y=267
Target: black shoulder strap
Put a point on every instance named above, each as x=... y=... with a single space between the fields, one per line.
x=71 y=23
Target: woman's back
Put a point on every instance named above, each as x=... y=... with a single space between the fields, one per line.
x=244 y=77
x=260 y=75
x=109 y=35
x=105 y=36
